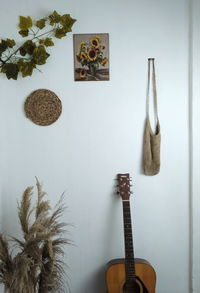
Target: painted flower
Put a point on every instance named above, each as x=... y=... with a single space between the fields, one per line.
x=83 y=55
x=95 y=42
x=83 y=73
x=104 y=61
x=92 y=54
x=82 y=45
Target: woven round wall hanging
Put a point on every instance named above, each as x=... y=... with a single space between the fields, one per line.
x=43 y=107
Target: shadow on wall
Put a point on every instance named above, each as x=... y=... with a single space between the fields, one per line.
x=96 y=281
x=142 y=152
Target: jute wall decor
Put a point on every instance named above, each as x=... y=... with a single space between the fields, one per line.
x=152 y=140
x=43 y=107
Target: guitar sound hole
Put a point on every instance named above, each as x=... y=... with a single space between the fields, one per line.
x=131 y=287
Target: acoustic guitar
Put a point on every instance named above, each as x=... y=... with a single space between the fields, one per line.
x=129 y=275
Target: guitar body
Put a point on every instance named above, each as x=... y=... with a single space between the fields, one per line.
x=145 y=281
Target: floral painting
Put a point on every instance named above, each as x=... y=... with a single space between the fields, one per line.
x=91 y=57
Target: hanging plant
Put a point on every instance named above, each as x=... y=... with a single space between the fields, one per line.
x=33 y=52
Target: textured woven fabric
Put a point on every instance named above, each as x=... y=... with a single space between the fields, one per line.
x=152 y=141
x=43 y=107
x=151 y=149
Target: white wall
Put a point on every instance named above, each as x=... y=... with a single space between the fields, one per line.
x=195 y=141
x=100 y=134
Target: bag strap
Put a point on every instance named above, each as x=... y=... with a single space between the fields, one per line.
x=151 y=61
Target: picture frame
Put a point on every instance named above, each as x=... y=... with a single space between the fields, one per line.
x=91 y=57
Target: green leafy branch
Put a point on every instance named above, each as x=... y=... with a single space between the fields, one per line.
x=33 y=52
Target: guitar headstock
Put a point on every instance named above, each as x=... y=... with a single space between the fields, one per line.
x=124 y=186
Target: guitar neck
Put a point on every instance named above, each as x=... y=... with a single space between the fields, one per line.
x=128 y=241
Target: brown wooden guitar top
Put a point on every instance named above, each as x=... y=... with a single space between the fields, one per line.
x=115 y=275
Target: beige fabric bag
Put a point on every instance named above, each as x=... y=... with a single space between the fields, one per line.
x=151 y=152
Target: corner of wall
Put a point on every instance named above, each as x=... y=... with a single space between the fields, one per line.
x=194 y=106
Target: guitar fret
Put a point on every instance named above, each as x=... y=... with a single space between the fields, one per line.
x=124 y=190
x=129 y=254
x=130 y=271
x=131 y=268
x=129 y=247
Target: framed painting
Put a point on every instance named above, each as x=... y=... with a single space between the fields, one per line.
x=91 y=57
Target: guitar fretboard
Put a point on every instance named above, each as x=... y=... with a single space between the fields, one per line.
x=128 y=241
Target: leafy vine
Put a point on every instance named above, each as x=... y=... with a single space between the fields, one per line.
x=33 y=52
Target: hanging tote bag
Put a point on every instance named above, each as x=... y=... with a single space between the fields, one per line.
x=152 y=140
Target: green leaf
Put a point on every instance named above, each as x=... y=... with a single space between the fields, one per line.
x=25 y=22
x=60 y=33
x=11 y=43
x=40 y=55
x=67 y=21
x=84 y=62
x=41 y=23
x=48 y=42
x=26 y=68
x=3 y=46
x=22 y=51
x=11 y=70
x=23 y=33
x=29 y=46
x=54 y=18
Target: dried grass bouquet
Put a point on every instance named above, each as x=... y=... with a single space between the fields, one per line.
x=37 y=267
